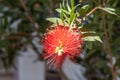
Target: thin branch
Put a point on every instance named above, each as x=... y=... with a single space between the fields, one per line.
x=27 y=11
x=93 y=10
x=30 y=17
x=108 y=48
x=1 y=0
x=87 y=15
x=80 y=0
x=51 y=7
x=107 y=1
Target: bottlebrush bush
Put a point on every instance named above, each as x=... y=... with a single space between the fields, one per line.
x=67 y=35
x=73 y=27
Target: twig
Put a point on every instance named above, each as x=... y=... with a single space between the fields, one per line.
x=51 y=7
x=93 y=10
x=80 y=0
x=28 y=14
x=30 y=17
x=88 y=14
x=108 y=48
x=1 y=0
x=107 y=1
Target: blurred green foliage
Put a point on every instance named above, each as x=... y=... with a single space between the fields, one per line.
x=16 y=32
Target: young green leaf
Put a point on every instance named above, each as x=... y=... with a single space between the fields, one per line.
x=62 y=10
x=89 y=45
x=68 y=7
x=62 y=16
x=60 y=6
x=92 y=38
x=84 y=9
x=109 y=10
x=73 y=9
x=72 y=18
x=72 y=3
x=55 y=20
x=96 y=2
x=63 y=4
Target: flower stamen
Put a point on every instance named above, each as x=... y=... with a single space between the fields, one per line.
x=59 y=50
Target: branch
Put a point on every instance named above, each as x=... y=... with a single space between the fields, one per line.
x=80 y=0
x=108 y=48
x=1 y=0
x=93 y=10
x=30 y=17
x=88 y=14
x=28 y=14
x=51 y=7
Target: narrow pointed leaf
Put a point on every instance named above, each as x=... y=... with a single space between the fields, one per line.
x=84 y=9
x=54 y=20
x=73 y=9
x=68 y=7
x=62 y=10
x=63 y=4
x=72 y=18
x=60 y=6
x=96 y=2
x=92 y=38
x=72 y=3
x=62 y=16
x=109 y=10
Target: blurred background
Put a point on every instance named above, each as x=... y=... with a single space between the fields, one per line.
x=22 y=25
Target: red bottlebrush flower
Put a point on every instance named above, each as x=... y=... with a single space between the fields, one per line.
x=61 y=42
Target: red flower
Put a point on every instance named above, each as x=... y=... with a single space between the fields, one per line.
x=61 y=42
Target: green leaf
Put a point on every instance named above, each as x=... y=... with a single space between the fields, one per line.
x=96 y=2
x=68 y=7
x=73 y=9
x=72 y=18
x=92 y=38
x=63 y=4
x=84 y=9
x=62 y=16
x=72 y=3
x=62 y=10
x=118 y=62
x=72 y=14
x=3 y=24
x=115 y=3
x=88 y=32
x=102 y=63
x=109 y=10
x=60 y=6
x=55 y=20
x=89 y=45
x=85 y=30
x=0 y=25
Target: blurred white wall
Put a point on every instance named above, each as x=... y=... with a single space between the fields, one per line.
x=73 y=70
x=29 y=68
